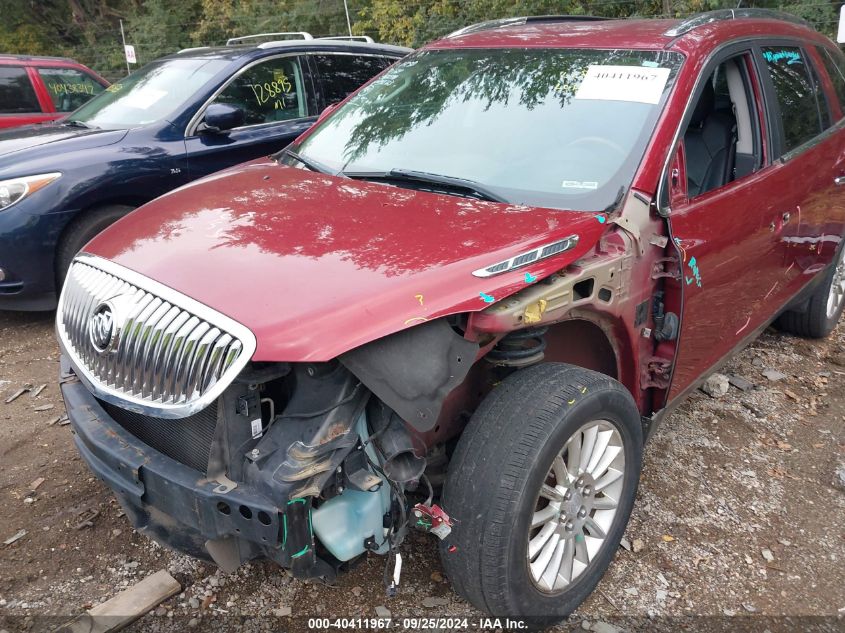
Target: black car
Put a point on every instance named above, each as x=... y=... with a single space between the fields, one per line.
x=176 y=119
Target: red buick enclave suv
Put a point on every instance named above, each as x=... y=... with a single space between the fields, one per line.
x=485 y=277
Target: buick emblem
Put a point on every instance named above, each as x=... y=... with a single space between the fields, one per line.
x=102 y=327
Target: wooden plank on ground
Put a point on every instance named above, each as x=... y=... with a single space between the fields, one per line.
x=125 y=607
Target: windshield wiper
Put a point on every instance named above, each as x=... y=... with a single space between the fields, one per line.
x=310 y=164
x=470 y=187
x=79 y=124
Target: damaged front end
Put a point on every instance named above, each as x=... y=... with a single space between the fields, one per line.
x=230 y=460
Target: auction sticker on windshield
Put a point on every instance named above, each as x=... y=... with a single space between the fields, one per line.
x=623 y=83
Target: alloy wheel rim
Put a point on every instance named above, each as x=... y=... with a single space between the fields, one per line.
x=837 y=287
x=576 y=506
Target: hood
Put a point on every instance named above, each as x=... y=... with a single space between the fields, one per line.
x=51 y=138
x=317 y=265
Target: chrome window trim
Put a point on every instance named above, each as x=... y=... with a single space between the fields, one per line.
x=190 y=129
x=139 y=405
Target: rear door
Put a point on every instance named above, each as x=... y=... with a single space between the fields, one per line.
x=277 y=97
x=19 y=103
x=831 y=64
x=340 y=74
x=809 y=147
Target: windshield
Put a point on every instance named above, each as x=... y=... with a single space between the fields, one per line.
x=153 y=93
x=559 y=128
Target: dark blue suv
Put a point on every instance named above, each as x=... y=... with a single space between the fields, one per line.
x=179 y=118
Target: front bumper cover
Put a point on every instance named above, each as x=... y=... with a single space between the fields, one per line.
x=170 y=502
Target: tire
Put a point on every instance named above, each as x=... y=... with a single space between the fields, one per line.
x=824 y=308
x=82 y=230
x=503 y=458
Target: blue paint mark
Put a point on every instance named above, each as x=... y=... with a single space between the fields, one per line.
x=693 y=266
x=529 y=278
x=487 y=298
x=791 y=56
x=601 y=219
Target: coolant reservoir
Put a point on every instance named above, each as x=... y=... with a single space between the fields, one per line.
x=344 y=522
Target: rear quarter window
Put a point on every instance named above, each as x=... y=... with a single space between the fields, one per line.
x=834 y=63
x=69 y=88
x=16 y=92
x=795 y=94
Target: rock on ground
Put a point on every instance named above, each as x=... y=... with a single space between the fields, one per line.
x=716 y=385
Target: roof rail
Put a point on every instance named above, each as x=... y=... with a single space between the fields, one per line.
x=194 y=48
x=36 y=58
x=350 y=38
x=291 y=35
x=708 y=17
x=530 y=19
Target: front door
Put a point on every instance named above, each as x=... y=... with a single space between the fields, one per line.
x=19 y=103
x=721 y=220
x=276 y=96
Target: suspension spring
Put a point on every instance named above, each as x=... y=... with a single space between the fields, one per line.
x=519 y=348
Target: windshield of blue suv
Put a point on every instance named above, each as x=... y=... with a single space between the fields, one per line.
x=558 y=128
x=153 y=93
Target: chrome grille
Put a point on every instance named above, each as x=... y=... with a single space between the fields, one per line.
x=168 y=355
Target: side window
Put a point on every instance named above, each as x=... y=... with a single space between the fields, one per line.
x=268 y=92
x=795 y=94
x=16 y=91
x=821 y=96
x=69 y=88
x=343 y=74
x=722 y=140
x=834 y=63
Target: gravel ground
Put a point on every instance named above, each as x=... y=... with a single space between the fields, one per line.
x=739 y=524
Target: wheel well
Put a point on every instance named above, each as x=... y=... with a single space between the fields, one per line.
x=582 y=343
x=79 y=216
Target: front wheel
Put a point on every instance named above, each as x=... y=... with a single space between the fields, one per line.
x=82 y=230
x=541 y=486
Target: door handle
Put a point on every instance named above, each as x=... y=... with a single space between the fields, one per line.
x=839 y=180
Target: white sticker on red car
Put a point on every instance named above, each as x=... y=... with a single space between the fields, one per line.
x=623 y=83
x=579 y=184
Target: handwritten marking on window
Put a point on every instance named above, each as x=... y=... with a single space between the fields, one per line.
x=65 y=89
x=270 y=90
x=791 y=56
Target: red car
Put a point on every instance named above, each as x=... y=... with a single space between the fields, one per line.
x=38 y=89
x=487 y=277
